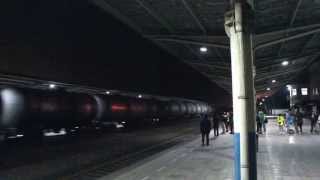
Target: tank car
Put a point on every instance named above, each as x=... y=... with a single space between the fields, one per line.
x=31 y=111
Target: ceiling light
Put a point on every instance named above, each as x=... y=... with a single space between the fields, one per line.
x=52 y=86
x=285 y=63
x=107 y=92
x=268 y=89
x=266 y=96
x=203 y=49
x=274 y=81
x=139 y=96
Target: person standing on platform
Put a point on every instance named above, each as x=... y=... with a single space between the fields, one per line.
x=264 y=123
x=290 y=122
x=216 y=122
x=231 y=122
x=225 y=122
x=299 y=121
x=261 y=119
x=205 y=128
x=280 y=120
x=259 y=125
x=313 y=123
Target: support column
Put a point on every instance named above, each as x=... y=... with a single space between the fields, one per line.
x=238 y=27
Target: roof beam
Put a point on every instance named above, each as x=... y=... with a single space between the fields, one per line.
x=195 y=53
x=296 y=36
x=184 y=41
x=212 y=62
x=155 y=16
x=274 y=86
x=195 y=18
x=266 y=59
x=307 y=43
x=265 y=76
x=299 y=28
x=298 y=60
x=186 y=36
x=293 y=18
x=211 y=65
x=106 y=7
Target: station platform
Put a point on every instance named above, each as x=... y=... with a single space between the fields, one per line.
x=280 y=157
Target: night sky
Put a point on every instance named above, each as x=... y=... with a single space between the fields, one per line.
x=73 y=41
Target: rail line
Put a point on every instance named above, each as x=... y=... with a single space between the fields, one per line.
x=106 y=168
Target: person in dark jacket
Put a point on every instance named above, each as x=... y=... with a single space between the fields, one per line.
x=231 y=122
x=259 y=125
x=216 y=122
x=225 y=121
x=205 y=128
x=314 y=118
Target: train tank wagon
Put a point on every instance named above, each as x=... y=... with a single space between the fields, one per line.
x=31 y=111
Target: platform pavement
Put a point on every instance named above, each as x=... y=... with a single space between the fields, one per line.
x=280 y=157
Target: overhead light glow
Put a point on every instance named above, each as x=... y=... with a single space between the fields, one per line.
x=108 y=92
x=266 y=96
x=268 y=89
x=204 y=49
x=285 y=63
x=274 y=81
x=52 y=86
x=263 y=99
x=260 y=103
x=289 y=87
x=139 y=96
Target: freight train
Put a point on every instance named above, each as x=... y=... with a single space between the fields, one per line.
x=30 y=111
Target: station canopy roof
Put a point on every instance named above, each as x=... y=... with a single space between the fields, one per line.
x=284 y=30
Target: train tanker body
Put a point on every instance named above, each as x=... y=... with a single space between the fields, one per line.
x=153 y=109
x=31 y=111
x=126 y=110
x=183 y=109
x=111 y=108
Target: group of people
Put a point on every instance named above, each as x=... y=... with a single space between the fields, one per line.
x=292 y=121
x=215 y=121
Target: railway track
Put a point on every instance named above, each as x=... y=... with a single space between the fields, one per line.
x=105 y=168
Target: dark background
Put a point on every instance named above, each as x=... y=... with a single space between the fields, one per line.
x=75 y=42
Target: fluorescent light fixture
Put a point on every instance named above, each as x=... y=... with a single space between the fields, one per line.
x=268 y=89
x=52 y=86
x=274 y=81
x=285 y=63
x=204 y=49
x=107 y=92
x=139 y=96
